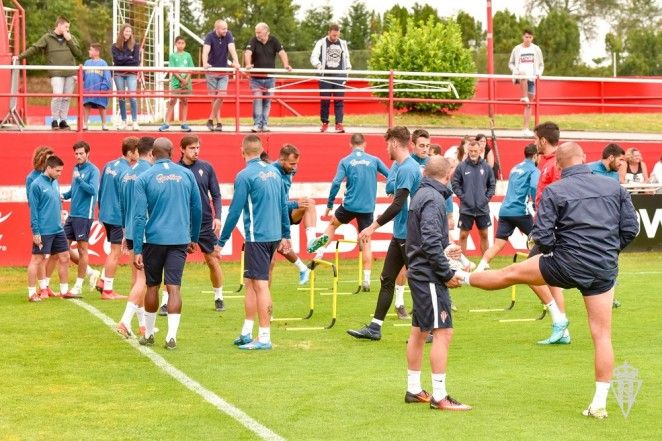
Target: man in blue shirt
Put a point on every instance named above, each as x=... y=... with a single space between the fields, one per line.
x=218 y=43
x=522 y=184
x=46 y=224
x=168 y=215
x=83 y=195
x=359 y=170
x=110 y=213
x=613 y=159
x=407 y=179
x=260 y=194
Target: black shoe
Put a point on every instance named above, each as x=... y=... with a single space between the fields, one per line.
x=171 y=344
x=616 y=304
x=421 y=397
x=428 y=339
x=210 y=125
x=163 y=310
x=219 y=304
x=218 y=128
x=64 y=125
x=146 y=341
x=367 y=332
x=55 y=125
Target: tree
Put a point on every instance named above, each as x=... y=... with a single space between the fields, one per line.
x=422 y=13
x=314 y=26
x=355 y=26
x=507 y=34
x=431 y=46
x=644 y=52
x=397 y=15
x=586 y=12
x=471 y=30
x=557 y=35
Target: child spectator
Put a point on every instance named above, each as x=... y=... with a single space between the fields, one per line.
x=180 y=83
x=95 y=80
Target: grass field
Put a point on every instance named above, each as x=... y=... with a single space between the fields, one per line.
x=66 y=375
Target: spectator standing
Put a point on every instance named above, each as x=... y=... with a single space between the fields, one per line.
x=180 y=84
x=126 y=53
x=526 y=59
x=95 y=80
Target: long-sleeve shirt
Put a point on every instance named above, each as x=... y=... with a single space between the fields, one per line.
x=205 y=177
x=83 y=191
x=29 y=179
x=59 y=52
x=549 y=173
x=127 y=203
x=45 y=206
x=360 y=170
x=474 y=185
x=526 y=61
x=408 y=177
x=598 y=168
x=167 y=206
x=522 y=185
x=110 y=211
x=126 y=57
x=258 y=192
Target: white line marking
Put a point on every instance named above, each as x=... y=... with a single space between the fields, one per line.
x=209 y=396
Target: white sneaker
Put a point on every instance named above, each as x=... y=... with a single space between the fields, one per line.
x=599 y=414
x=94 y=278
x=121 y=126
x=135 y=126
x=468 y=264
x=524 y=99
x=526 y=132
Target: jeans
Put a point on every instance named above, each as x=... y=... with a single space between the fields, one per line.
x=261 y=106
x=130 y=83
x=60 y=105
x=338 y=104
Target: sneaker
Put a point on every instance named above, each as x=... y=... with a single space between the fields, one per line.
x=429 y=338
x=616 y=304
x=558 y=330
x=448 y=403
x=421 y=397
x=74 y=293
x=171 y=344
x=99 y=285
x=324 y=128
x=185 y=128
x=34 y=298
x=525 y=99
x=256 y=346
x=135 y=126
x=219 y=305
x=163 y=310
x=527 y=133
x=124 y=331
x=218 y=128
x=242 y=340
x=599 y=414
x=121 y=126
x=104 y=128
x=146 y=341
x=94 y=278
x=111 y=295
x=210 y=125
x=64 y=125
x=55 y=125
x=304 y=276
x=365 y=287
x=340 y=128
x=164 y=127
x=402 y=313
x=46 y=293
x=255 y=129
x=265 y=129
x=565 y=340
x=318 y=243
x=368 y=332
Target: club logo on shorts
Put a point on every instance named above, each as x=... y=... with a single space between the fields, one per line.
x=443 y=315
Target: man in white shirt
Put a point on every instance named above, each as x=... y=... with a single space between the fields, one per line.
x=526 y=59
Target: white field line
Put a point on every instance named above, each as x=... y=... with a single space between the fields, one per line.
x=209 y=396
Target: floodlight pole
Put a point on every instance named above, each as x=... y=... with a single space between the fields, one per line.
x=490 y=59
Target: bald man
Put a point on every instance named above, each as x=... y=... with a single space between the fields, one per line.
x=583 y=222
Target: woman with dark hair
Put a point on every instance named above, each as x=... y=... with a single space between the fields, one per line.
x=126 y=52
x=488 y=153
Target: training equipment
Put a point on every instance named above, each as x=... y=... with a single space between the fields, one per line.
x=360 y=273
x=241 y=268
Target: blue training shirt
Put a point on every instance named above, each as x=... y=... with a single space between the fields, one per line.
x=127 y=186
x=45 y=206
x=260 y=193
x=360 y=169
x=407 y=175
x=522 y=183
x=83 y=191
x=205 y=178
x=110 y=211
x=287 y=184
x=29 y=179
x=598 y=168
x=167 y=206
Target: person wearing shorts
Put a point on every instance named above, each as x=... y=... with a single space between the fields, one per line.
x=583 y=222
x=526 y=60
x=258 y=193
x=180 y=85
x=168 y=214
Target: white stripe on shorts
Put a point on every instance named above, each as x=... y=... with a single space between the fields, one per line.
x=435 y=306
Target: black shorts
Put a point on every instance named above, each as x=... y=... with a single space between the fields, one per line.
x=164 y=262
x=77 y=229
x=466 y=221
x=94 y=106
x=207 y=239
x=257 y=259
x=51 y=244
x=129 y=244
x=291 y=206
x=432 y=305
x=507 y=225
x=344 y=216
x=114 y=233
x=555 y=274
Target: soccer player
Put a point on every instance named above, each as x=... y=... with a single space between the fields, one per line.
x=359 y=169
x=167 y=221
x=110 y=212
x=420 y=139
x=407 y=179
x=300 y=210
x=83 y=195
x=260 y=194
x=46 y=224
x=429 y=276
x=513 y=214
x=583 y=222
x=205 y=177
x=135 y=304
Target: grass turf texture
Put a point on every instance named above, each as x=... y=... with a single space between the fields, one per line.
x=65 y=375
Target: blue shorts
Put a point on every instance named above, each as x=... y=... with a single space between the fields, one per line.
x=432 y=305
x=52 y=244
x=216 y=82
x=77 y=229
x=466 y=221
x=164 y=262
x=344 y=216
x=530 y=86
x=555 y=274
x=257 y=259
x=207 y=239
x=114 y=233
x=507 y=225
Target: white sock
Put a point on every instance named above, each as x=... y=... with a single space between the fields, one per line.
x=140 y=313
x=218 y=293
x=89 y=271
x=482 y=265
x=414 y=382
x=150 y=320
x=264 y=335
x=310 y=234
x=366 y=276
x=164 y=298
x=64 y=288
x=554 y=311
x=247 y=329
x=173 y=326
x=48 y=281
x=79 y=283
x=465 y=278
x=399 y=295
x=108 y=284
x=439 y=387
x=600 y=397
x=300 y=265
x=32 y=290
x=377 y=322
x=43 y=284
x=129 y=311
x=564 y=317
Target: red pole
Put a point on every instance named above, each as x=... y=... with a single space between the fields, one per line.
x=79 y=126
x=490 y=59
x=536 y=103
x=390 y=99
x=236 y=100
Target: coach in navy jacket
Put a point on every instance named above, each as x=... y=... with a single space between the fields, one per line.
x=474 y=184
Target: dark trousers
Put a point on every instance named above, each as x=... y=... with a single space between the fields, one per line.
x=393 y=263
x=338 y=104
